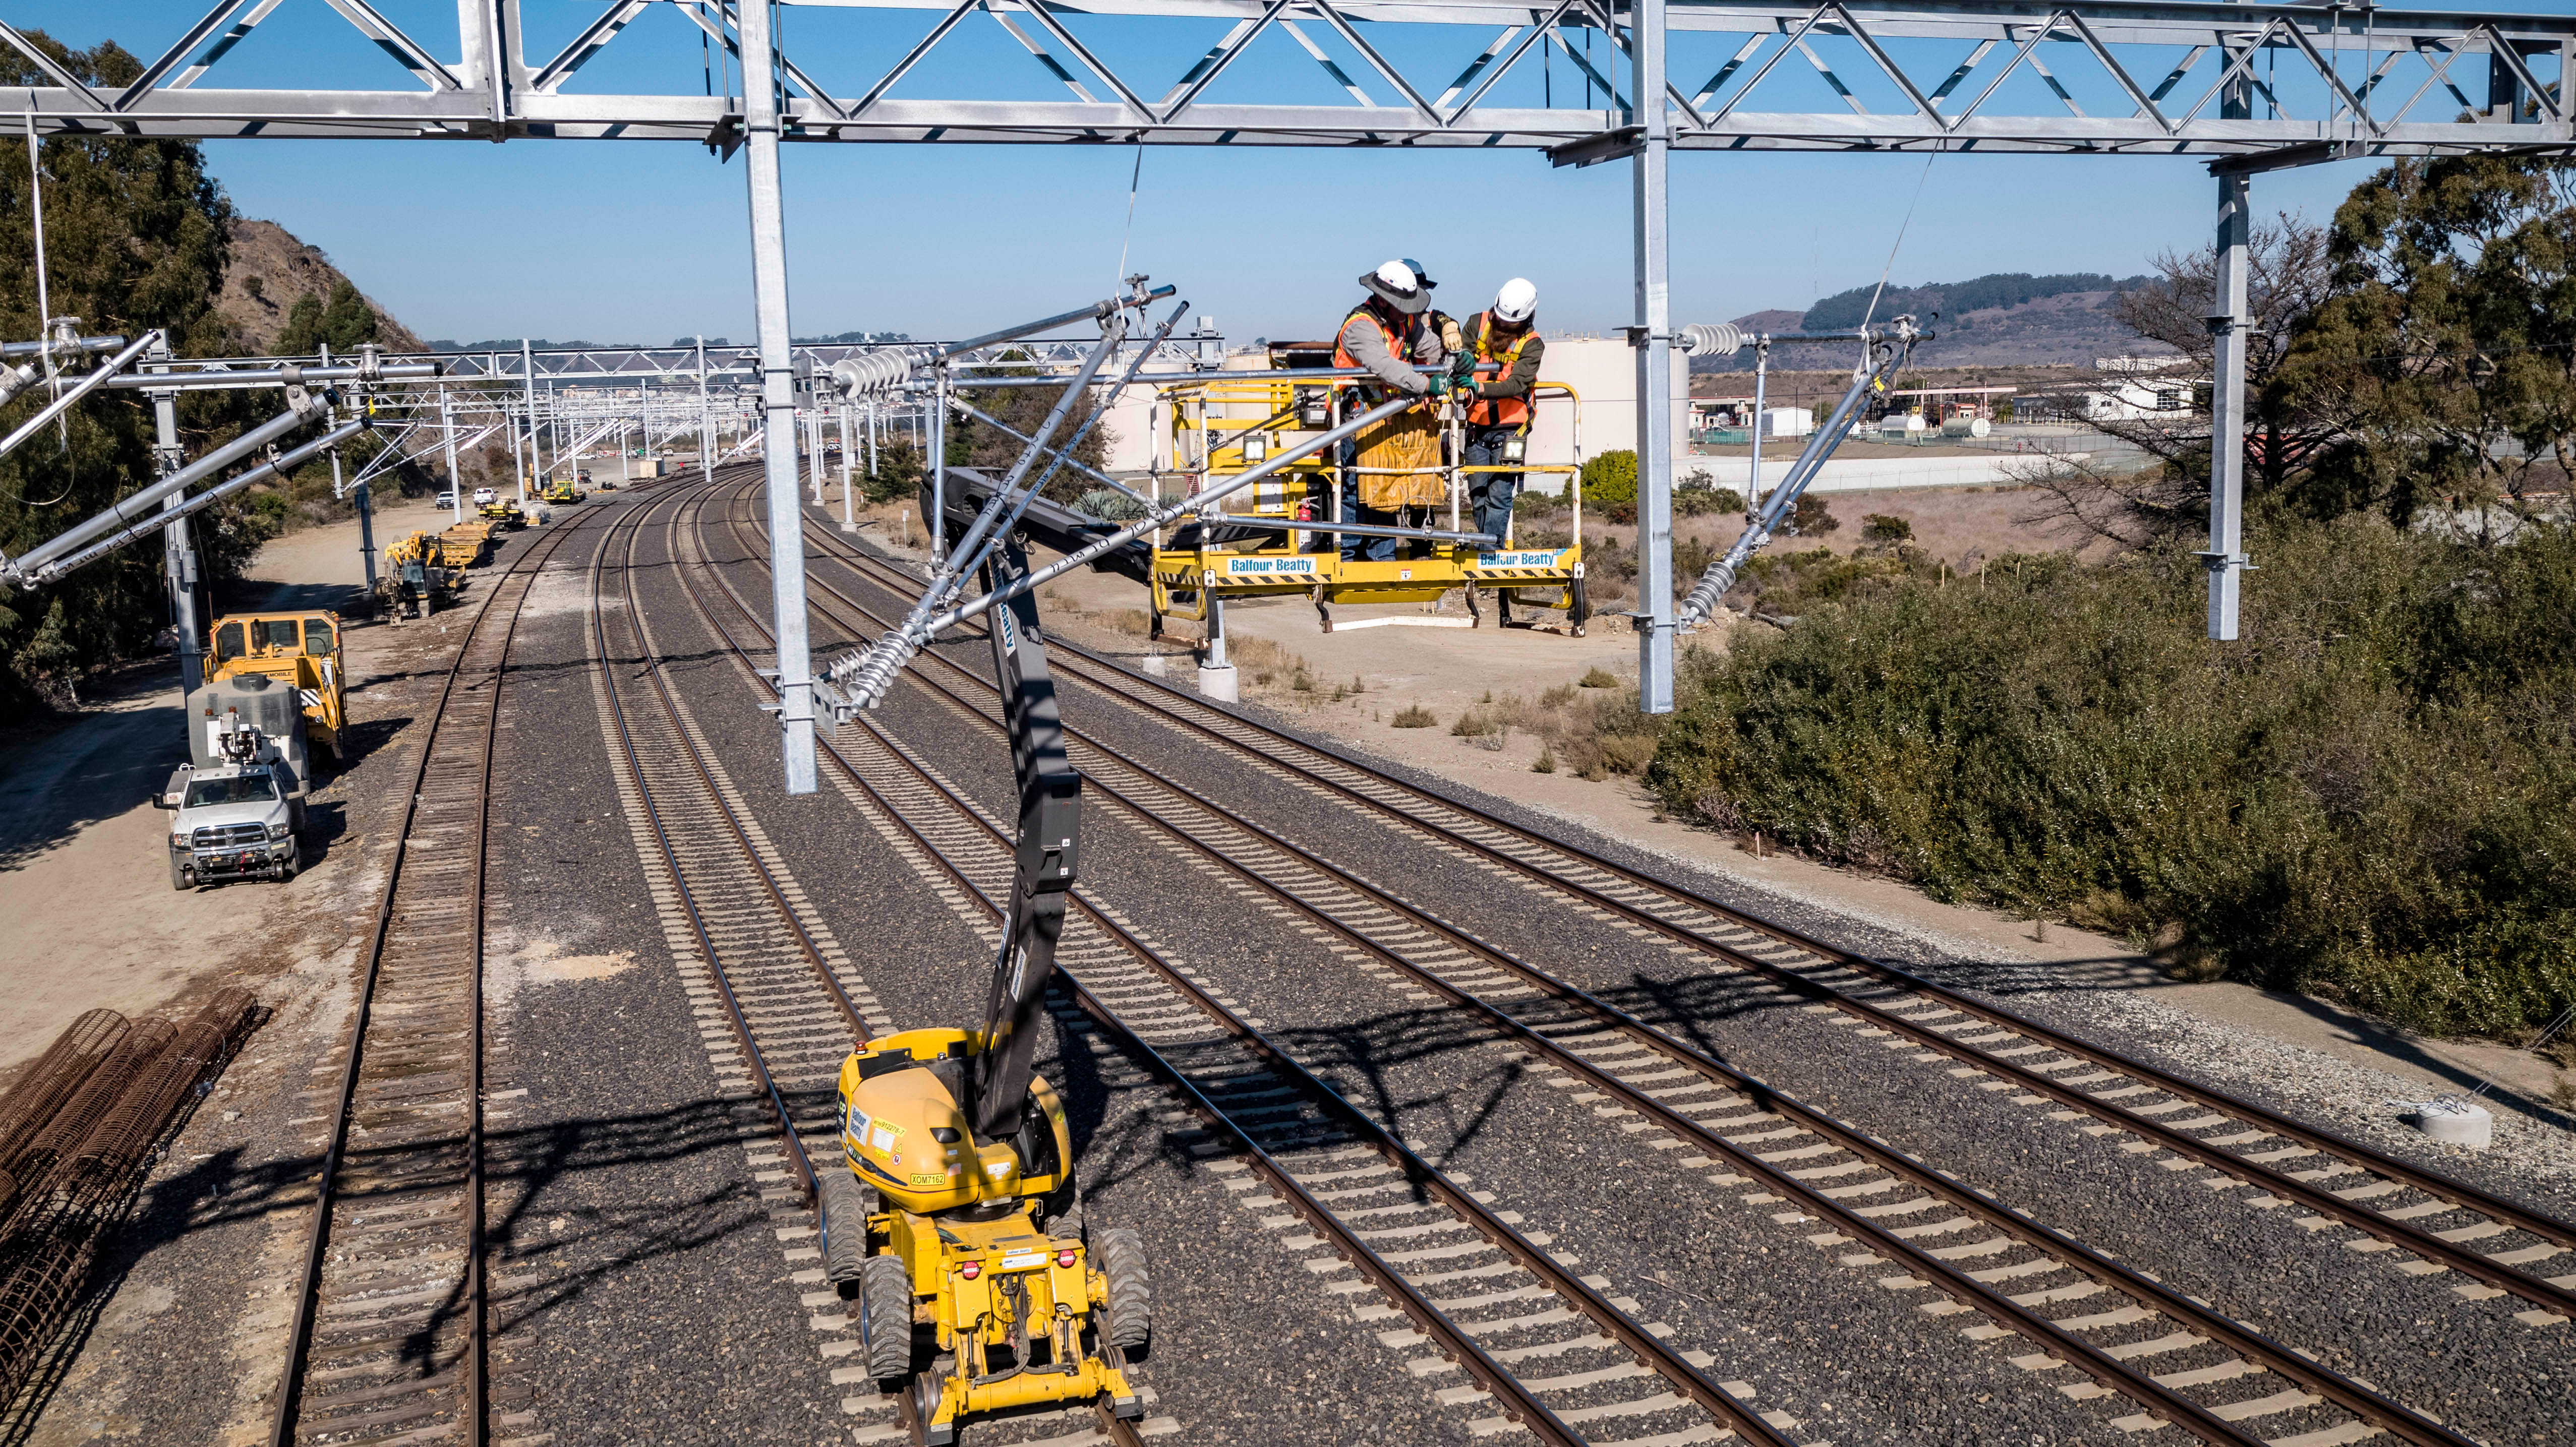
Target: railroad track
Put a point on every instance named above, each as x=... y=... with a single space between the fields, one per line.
x=1453 y=1273
x=389 y=1337
x=2022 y=1276
x=2438 y=1222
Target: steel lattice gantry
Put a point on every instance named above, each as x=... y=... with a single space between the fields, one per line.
x=2248 y=87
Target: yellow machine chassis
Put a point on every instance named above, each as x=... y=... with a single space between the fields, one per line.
x=964 y=1271
x=1184 y=580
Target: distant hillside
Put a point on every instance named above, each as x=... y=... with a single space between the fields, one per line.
x=270 y=271
x=2005 y=319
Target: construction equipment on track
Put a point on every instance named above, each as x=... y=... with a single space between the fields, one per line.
x=504 y=513
x=959 y=1205
x=420 y=575
x=1281 y=539
x=300 y=650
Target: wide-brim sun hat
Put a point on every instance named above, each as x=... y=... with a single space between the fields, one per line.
x=1397 y=286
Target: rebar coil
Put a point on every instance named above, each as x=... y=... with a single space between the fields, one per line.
x=1704 y=339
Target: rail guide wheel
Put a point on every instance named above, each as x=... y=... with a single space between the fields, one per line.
x=955 y=1207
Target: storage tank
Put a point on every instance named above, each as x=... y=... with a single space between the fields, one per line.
x=1966 y=427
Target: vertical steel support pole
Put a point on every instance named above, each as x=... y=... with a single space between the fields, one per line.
x=777 y=394
x=849 y=519
x=1654 y=343
x=937 y=521
x=2226 y=556
x=528 y=373
x=178 y=552
x=1761 y=375
x=363 y=496
x=706 y=423
x=455 y=482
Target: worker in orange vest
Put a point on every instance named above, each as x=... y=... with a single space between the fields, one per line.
x=1497 y=403
x=1393 y=333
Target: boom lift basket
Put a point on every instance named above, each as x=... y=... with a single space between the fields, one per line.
x=1412 y=466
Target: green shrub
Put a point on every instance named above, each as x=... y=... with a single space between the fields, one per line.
x=1610 y=478
x=1811 y=518
x=2371 y=796
x=1883 y=528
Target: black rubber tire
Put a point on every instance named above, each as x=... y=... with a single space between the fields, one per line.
x=1062 y=1210
x=179 y=875
x=845 y=1222
x=885 y=1317
x=1120 y=1253
x=286 y=869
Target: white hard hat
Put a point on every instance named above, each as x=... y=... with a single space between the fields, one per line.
x=1398 y=285
x=1516 y=302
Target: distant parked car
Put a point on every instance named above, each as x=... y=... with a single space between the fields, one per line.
x=447 y=498
x=485 y=496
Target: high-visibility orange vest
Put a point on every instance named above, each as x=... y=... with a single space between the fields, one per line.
x=1499 y=411
x=1400 y=348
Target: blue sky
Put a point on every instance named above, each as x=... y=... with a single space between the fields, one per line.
x=639 y=241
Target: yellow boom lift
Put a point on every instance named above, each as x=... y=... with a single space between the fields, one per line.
x=958 y=1211
x=1221 y=428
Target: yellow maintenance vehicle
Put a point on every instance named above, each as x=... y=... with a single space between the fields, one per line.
x=503 y=513
x=423 y=573
x=954 y=1221
x=466 y=544
x=563 y=489
x=299 y=650
x=1280 y=538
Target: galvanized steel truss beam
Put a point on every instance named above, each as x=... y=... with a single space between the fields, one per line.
x=2153 y=74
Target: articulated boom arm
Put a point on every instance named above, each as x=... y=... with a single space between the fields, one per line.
x=1050 y=817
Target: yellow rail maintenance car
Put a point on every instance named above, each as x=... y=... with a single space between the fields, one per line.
x=1278 y=538
x=300 y=650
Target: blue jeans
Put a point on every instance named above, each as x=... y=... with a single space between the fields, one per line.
x=1491 y=492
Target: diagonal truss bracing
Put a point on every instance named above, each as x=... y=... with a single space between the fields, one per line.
x=2147 y=78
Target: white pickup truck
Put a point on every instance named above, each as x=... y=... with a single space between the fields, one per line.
x=234 y=818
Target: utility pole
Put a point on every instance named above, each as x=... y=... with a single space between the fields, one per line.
x=1652 y=337
x=528 y=375
x=2225 y=557
x=706 y=424
x=178 y=553
x=455 y=481
x=849 y=523
x=761 y=124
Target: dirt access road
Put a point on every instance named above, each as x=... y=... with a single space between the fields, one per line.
x=91 y=919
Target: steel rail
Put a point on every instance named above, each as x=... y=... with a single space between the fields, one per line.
x=2280 y=1183
x=317 y=1243
x=1522 y=1406
x=670 y=855
x=2370 y=1405
x=805 y=942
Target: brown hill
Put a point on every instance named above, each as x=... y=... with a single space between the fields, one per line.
x=2068 y=329
x=269 y=271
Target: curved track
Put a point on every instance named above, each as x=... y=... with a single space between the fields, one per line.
x=390 y=1325
x=1602 y=1048
x=2432 y=1217
x=1335 y=1167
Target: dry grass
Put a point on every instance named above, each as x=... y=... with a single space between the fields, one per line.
x=1414 y=716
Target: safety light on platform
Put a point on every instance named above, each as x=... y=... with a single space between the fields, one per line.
x=971 y=1270
x=1064 y=1257
x=1255 y=448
